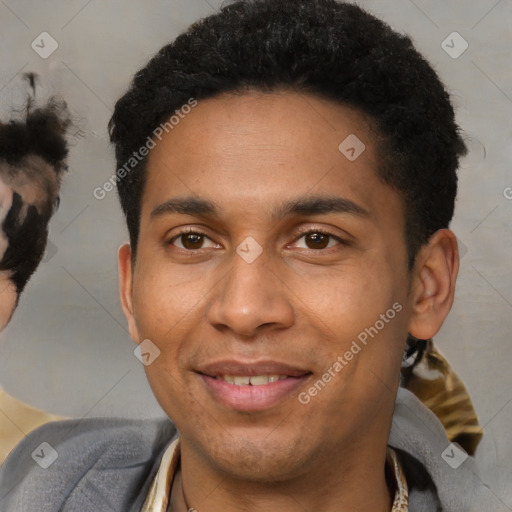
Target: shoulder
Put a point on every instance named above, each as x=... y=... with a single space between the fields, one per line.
x=439 y=474
x=18 y=418
x=84 y=465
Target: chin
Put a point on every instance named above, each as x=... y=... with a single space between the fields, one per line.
x=264 y=458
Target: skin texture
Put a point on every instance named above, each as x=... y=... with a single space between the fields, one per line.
x=296 y=303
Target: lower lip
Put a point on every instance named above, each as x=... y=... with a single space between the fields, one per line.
x=250 y=398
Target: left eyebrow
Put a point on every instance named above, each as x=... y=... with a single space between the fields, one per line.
x=319 y=205
x=308 y=205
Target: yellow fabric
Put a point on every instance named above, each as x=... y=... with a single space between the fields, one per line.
x=17 y=419
x=435 y=383
x=159 y=493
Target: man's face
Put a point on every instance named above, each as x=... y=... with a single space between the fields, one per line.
x=252 y=273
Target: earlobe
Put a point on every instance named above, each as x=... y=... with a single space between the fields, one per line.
x=126 y=289
x=434 y=284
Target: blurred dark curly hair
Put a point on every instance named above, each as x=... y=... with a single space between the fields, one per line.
x=33 y=153
x=327 y=48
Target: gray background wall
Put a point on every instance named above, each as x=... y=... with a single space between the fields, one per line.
x=67 y=349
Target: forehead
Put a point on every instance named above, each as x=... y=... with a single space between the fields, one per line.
x=257 y=150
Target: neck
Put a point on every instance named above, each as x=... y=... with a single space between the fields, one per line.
x=354 y=480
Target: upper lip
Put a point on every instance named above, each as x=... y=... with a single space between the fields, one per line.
x=251 y=368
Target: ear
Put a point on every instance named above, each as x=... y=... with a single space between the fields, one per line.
x=126 y=289
x=433 y=284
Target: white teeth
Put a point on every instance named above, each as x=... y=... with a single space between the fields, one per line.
x=256 y=380
x=241 y=381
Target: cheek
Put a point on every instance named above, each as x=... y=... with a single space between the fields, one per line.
x=358 y=311
x=173 y=395
x=347 y=299
x=165 y=298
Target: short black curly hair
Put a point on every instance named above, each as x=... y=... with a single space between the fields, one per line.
x=327 y=48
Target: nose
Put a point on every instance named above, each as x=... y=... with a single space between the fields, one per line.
x=250 y=298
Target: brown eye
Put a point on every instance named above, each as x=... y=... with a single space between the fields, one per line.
x=317 y=240
x=191 y=240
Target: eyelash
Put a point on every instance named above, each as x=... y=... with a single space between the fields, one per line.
x=302 y=232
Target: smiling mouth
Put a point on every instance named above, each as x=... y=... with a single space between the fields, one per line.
x=254 y=393
x=251 y=385
x=256 y=380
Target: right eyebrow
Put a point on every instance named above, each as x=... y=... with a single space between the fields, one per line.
x=186 y=206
